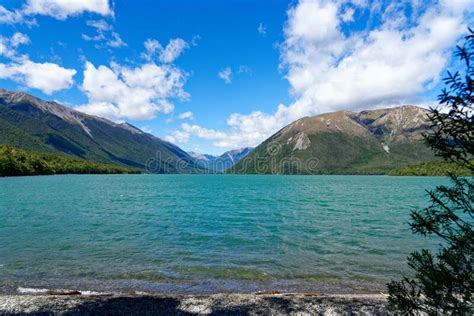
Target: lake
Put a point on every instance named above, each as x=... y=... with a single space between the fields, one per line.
x=208 y=233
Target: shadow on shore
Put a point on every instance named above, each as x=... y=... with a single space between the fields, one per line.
x=222 y=304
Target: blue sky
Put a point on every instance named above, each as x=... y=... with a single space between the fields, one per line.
x=218 y=75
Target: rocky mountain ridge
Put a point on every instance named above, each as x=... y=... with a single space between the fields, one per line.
x=33 y=124
x=371 y=141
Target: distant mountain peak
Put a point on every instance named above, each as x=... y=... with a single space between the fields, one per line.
x=222 y=162
x=199 y=156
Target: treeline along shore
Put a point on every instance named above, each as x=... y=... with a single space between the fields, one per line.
x=18 y=162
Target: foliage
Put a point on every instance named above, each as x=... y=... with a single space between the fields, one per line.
x=443 y=283
x=17 y=162
x=433 y=168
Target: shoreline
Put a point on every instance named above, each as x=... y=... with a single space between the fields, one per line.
x=75 y=302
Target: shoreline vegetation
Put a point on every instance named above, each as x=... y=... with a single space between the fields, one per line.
x=433 y=168
x=266 y=303
x=19 y=162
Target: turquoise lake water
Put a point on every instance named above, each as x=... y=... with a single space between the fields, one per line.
x=207 y=233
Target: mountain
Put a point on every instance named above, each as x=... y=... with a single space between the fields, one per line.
x=29 y=123
x=223 y=162
x=369 y=142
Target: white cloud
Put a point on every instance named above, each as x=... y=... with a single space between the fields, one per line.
x=202 y=132
x=61 y=9
x=58 y=9
x=8 y=46
x=457 y=6
x=244 y=69
x=100 y=25
x=329 y=70
x=167 y=54
x=312 y=21
x=47 y=77
x=226 y=75
x=147 y=129
x=178 y=136
x=115 y=41
x=188 y=130
x=348 y=15
x=10 y=17
x=195 y=40
x=118 y=92
x=102 y=109
x=172 y=51
x=182 y=116
x=262 y=29
x=19 y=39
x=186 y=115
x=151 y=47
x=170 y=139
x=104 y=34
x=229 y=139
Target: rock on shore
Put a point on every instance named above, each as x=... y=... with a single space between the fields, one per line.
x=217 y=304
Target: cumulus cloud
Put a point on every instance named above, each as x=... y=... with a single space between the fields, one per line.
x=244 y=131
x=47 y=77
x=166 y=54
x=202 y=132
x=58 y=9
x=61 y=10
x=151 y=47
x=330 y=71
x=387 y=64
x=172 y=51
x=104 y=34
x=8 y=46
x=226 y=75
x=119 y=92
x=183 y=135
x=11 y=17
x=178 y=136
x=19 y=39
x=138 y=93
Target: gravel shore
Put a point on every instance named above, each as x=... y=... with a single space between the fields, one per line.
x=216 y=304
